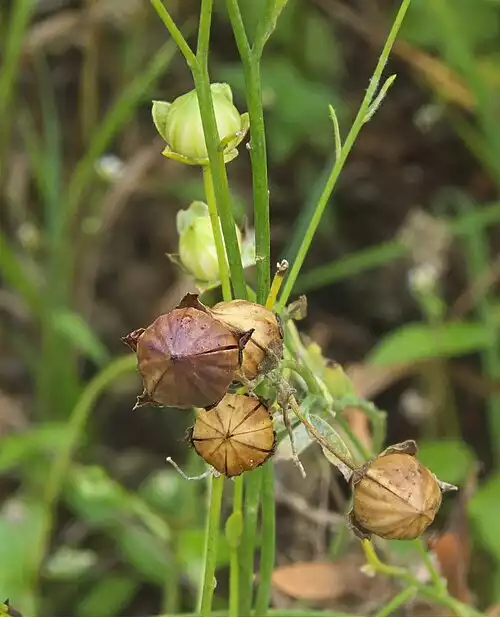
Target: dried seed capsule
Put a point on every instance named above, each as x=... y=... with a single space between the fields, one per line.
x=395 y=496
x=235 y=436
x=265 y=347
x=186 y=358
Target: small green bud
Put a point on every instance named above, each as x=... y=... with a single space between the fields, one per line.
x=197 y=250
x=179 y=123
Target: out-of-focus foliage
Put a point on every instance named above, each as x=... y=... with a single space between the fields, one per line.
x=82 y=261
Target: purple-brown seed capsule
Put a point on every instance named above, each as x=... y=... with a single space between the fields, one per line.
x=186 y=358
x=264 y=348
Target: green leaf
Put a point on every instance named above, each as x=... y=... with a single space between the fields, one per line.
x=108 y=597
x=141 y=549
x=302 y=440
x=479 y=21
x=17 y=274
x=74 y=328
x=336 y=443
x=414 y=342
x=483 y=513
x=22 y=448
x=23 y=524
x=449 y=460
x=104 y=503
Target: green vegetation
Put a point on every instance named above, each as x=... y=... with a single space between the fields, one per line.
x=93 y=521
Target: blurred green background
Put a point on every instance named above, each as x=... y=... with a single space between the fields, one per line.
x=402 y=281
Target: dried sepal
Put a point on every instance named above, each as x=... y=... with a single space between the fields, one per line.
x=235 y=436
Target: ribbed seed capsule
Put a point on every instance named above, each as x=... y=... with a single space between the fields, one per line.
x=264 y=349
x=186 y=359
x=235 y=436
x=395 y=496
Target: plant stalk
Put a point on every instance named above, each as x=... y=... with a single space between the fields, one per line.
x=219 y=240
x=340 y=161
x=216 y=486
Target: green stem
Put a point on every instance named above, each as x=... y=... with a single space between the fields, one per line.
x=78 y=419
x=339 y=163
x=437 y=581
x=76 y=426
x=253 y=482
x=14 y=33
x=268 y=544
x=216 y=486
x=234 y=564
x=215 y=153
x=404 y=596
x=175 y=33
x=437 y=594
x=374 y=257
x=219 y=240
x=234 y=583
x=258 y=152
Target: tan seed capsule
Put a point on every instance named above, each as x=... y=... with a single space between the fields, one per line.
x=235 y=436
x=395 y=496
x=186 y=358
x=265 y=347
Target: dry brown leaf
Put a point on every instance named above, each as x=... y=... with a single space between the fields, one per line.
x=493 y=610
x=320 y=581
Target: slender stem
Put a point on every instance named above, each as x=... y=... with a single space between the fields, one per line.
x=234 y=563
x=339 y=163
x=258 y=156
x=175 y=33
x=219 y=240
x=437 y=581
x=268 y=550
x=78 y=418
x=374 y=257
x=404 y=596
x=258 y=151
x=204 y=32
x=238 y=27
x=219 y=177
x=276 y=284
x=76 y=426
x=234 y=583
x=253 y=482
x=437 y=594
x=267 y=24
x=317 y=435
x=216 y=486
x=305 y=373
x=14 y=36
